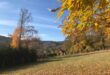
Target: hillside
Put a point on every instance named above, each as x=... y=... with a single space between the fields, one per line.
x=4 y=39
x=97 y=63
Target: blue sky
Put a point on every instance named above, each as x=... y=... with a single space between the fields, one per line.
x=43 y=20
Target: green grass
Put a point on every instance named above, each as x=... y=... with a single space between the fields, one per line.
x=97 y=63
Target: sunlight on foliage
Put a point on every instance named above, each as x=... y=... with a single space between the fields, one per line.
x=82 y=13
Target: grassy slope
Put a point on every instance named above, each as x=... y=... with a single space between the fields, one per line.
x=87 y=64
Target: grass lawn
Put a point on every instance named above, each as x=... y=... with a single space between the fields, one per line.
x=97 y=63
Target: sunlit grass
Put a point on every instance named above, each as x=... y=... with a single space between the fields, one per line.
x=88 y=64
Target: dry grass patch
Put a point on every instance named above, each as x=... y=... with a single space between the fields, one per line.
x=89 y=64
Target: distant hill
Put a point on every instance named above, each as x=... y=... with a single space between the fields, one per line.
x=4 y=39
x=52 y=42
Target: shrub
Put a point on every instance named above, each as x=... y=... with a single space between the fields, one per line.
x=10 y=57
x=89 y=49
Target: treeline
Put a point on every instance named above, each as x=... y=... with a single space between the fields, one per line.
x=87 y=41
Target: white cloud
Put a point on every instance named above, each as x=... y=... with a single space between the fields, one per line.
x=14 y=23
x=5 y=5
x=47 y=26
x=4 y=34
x=44 y=19
x=8 y=22
x=42 y=35
x=48 y=19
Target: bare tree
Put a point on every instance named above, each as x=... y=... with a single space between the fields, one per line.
x=22 y=28
x=30 y=33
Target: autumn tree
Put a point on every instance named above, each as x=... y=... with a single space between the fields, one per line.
x=23 y=31
x=85 y=17
x=81 y=13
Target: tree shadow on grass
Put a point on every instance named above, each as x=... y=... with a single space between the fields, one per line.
x=24 y=66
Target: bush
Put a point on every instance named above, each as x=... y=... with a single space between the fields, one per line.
x=10 y=57
x=89 y=49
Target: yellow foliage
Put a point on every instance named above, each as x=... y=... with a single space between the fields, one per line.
x=81 y=13
x=107 y=31
x=16 y=38
x=96 y=26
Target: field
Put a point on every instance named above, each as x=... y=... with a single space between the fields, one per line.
x=97 y=63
